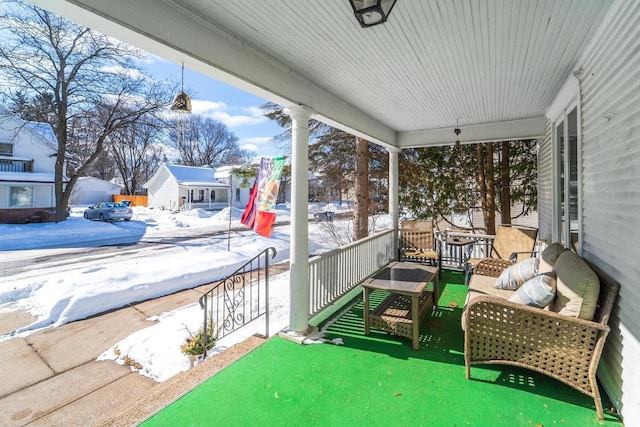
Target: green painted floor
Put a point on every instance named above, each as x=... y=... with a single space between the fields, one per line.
x=380 y=381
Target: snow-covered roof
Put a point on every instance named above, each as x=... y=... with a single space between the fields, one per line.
x=223 y=172
x=90 y=180
x=22 y=159
x=19 y=177
x=194 y=176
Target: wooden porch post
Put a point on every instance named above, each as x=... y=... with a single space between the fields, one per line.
x=394 y=198
x=299 y=252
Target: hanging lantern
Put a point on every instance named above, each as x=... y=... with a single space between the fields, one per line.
x=372 y=12
x=181 y=103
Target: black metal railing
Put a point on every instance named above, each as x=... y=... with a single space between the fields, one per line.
x=238 y=299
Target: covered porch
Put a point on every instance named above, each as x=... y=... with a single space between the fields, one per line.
x=203 y=196
x=379 y=380
x=564 y=72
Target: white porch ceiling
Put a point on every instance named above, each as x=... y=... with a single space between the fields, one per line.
x=490 y=67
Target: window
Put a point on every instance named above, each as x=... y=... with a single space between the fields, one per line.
x=237 y=194
x=213 y=195
x=567 y=208
x=6 y=149
x=21 y=197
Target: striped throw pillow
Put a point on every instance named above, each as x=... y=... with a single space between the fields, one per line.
x=536 y=292
x=513 y=277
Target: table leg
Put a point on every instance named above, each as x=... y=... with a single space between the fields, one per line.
x=365 y=293
x=415 y=321
x=435 y=292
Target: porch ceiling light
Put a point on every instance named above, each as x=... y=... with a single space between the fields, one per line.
x=182 y=102
x=372 y=12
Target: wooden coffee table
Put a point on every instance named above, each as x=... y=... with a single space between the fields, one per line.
x=407 y=304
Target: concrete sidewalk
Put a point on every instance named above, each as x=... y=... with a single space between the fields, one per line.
x=52 y=378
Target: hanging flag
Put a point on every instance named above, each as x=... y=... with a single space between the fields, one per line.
x=260 y=212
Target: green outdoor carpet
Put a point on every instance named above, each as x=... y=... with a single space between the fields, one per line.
x=379 y=381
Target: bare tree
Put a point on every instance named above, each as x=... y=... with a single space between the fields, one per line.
x=202 y=141
x=137 y=152
x=94 y=84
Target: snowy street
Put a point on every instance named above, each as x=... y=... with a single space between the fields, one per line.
x=77 y=279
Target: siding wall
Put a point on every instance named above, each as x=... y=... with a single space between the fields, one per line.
x=164 y=192
x=530 y=220
x=610 y=107
x=545 y=187
x=43 y=196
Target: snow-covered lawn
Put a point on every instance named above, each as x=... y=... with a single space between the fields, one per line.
x=59 y=295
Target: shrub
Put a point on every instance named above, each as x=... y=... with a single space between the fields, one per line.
x=194 y=345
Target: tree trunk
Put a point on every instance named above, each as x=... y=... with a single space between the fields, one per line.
x=482 y=183
x=505 y=183
x=486 y=184
x=361 y=187
x=61 y=136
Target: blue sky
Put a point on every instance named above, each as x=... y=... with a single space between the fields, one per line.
x=237 y=109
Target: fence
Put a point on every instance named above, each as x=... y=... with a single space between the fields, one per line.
x=135 y=200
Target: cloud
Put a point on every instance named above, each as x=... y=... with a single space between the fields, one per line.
x=249 y=147
x=221 y=112
x=255 y=143
x=116 y=69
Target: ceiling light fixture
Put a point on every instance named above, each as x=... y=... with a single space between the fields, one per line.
x=182 y=102
x=372 y=12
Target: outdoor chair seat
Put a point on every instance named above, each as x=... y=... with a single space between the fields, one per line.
x=419 y=254
x=511 y=244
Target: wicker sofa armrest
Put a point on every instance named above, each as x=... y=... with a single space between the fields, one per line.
x=565 y=348
x=491 y=266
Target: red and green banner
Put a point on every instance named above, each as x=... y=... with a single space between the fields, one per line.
x=260 y=212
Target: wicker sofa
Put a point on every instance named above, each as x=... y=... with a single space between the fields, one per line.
x=564 y=347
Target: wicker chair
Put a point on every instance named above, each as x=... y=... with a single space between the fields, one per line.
x=565 y=348
x=417 y=242
x=512 y=243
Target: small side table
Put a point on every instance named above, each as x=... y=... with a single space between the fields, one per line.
x=407 y=305
x=461 y=247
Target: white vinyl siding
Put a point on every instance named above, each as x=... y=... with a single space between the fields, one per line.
x=44 y=196
x=529 y=220
x=164 y=193
x=610 y=172
x=545 y=187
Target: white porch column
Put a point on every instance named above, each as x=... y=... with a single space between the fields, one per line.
x=299 y=252
x=394 y=197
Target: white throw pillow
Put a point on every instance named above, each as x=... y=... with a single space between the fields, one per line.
x=536 y=292
x=514 y=276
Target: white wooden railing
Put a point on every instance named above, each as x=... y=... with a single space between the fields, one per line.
x=204 y=205
x=334 y=273
x=453 y=257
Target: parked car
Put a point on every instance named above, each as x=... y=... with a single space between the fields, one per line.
x=108 y=211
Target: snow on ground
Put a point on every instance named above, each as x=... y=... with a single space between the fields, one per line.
x=58 y=297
